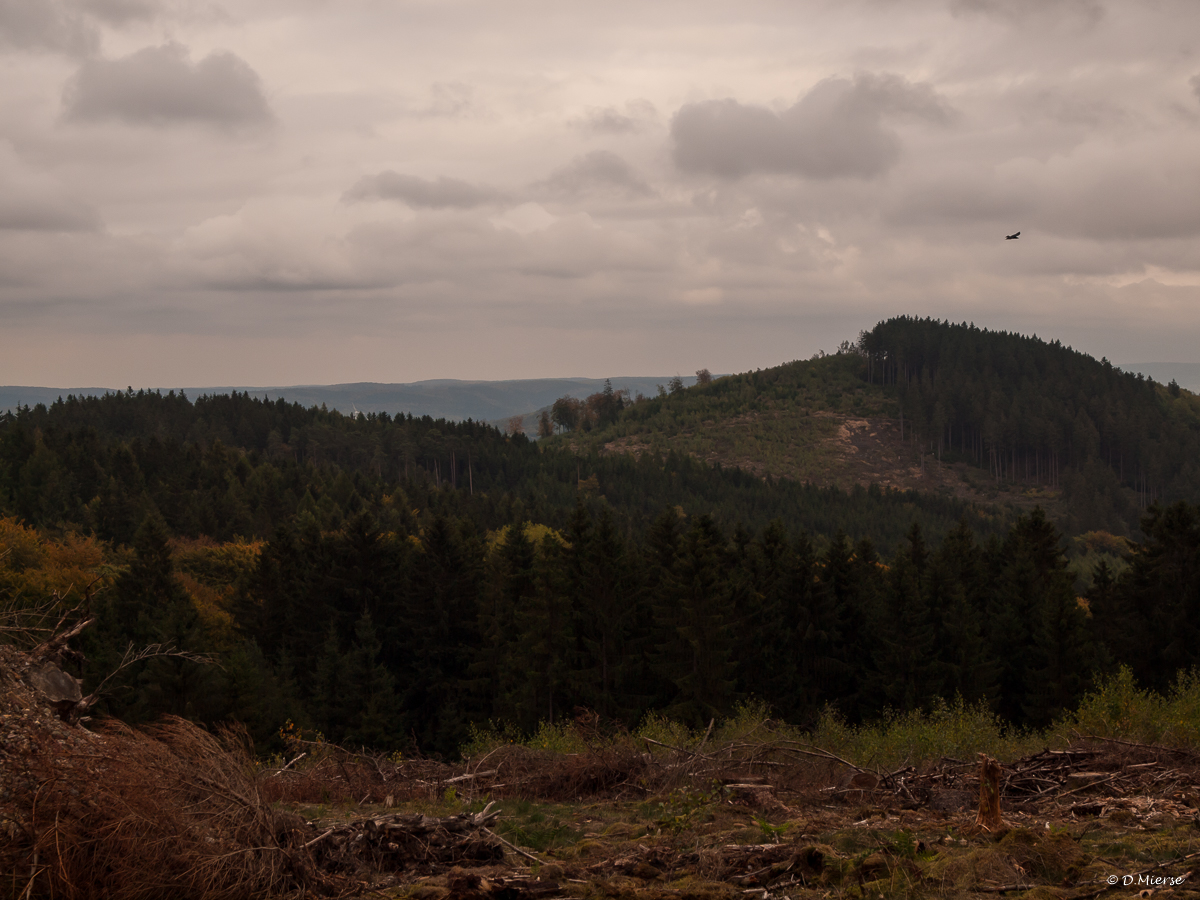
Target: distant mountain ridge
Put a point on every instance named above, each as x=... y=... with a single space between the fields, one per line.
x=441 y=398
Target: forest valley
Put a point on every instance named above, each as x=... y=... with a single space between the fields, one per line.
x=420 y=592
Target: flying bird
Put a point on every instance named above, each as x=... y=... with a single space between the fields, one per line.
x=1012 y=237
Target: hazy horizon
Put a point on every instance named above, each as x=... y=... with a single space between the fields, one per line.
x=462 y=398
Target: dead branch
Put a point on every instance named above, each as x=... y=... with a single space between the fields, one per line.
x=130 y=658
x=825 y=754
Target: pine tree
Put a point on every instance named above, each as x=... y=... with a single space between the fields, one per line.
x=695 y=610
x=605 y=608
x=149 y=606
x=905 y=663
x=440 y=693
x=371 y=691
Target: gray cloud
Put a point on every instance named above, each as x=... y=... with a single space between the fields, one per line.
x=26 y=213
x=449 y=100
x=31 y=200
x=600 y=171
x=120 y=12
x=610 y=120
x=45 y=25
x=836 y=130
x=162 y=86
x=1079 y=130
x=1086 y=12
x=957 y=198
x=1113 y=198
x=443 y=193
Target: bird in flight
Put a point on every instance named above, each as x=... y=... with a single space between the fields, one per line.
x=1012 y=237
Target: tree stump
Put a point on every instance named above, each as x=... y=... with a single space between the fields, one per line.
x=989 y=794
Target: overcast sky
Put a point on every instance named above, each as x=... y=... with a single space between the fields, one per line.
x=315 y=191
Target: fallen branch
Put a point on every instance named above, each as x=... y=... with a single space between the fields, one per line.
x=512 y=846
x=825 y=754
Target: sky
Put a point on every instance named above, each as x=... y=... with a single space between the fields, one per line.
x=308 y=192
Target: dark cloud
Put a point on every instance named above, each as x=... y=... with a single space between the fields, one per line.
x=45 y=25
x=120 y=12
x=162 y=86
x=19 y=213
x=600 y=171
x=418 y=192
x=836 y=130
x=1195 y=83
x=1087 y=12
x=610 y=120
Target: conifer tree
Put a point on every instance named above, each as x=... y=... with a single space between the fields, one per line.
x=149 y=606
x=905 y=662
x=441 y=694
x=371 y=690
x=695 y=611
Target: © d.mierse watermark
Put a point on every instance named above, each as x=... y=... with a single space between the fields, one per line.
x=1155 y=881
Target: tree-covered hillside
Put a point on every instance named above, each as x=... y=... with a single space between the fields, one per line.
x=234 y=465
x=395 y=581
x=990 y=415
x=1038 y=413
x=409 y=637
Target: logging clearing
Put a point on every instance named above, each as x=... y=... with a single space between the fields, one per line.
x=93 y=809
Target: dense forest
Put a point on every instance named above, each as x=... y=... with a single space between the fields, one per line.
x=407 y=639
x=229 y=466
x=1037 y=412
x=396 y=582
x=1096 y=444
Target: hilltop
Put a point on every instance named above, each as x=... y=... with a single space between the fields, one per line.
x=987 y=417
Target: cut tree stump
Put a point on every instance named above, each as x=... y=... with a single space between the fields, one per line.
x=989 y=794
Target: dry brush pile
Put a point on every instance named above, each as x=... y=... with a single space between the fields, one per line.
x=172 y=811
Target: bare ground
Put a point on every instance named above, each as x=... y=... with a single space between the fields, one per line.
x=842 y=451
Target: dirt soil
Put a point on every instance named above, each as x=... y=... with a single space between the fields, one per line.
x=844 y=451
x=103 y=811
x=774 y=822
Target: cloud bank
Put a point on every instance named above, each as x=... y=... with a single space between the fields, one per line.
x=837 y=130
x=200 y=192
x=421 y=193
x=160 y=86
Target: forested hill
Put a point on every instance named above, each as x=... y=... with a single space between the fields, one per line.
x=234 y=465
x=395 y=582
x=988 y=416
x=1038 y=413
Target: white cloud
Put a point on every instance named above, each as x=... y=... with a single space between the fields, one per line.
x=634 y=117
x=524 y=219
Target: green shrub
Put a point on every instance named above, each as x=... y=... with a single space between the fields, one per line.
x=1119 y=709
x=958 y=730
